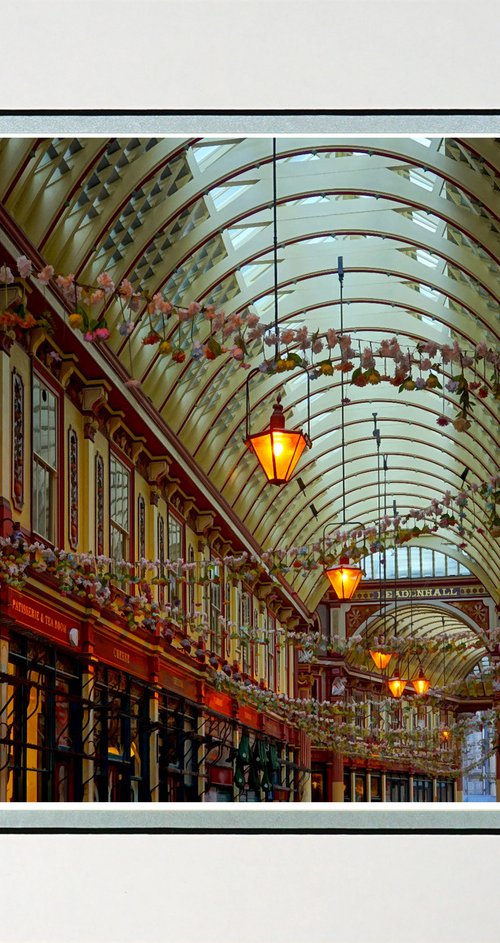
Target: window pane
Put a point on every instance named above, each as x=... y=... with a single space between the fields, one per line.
x=452 y=566
x=403 y=561
x=44 y=423
x=174 y=538
x=415 y=561
x=439 y=564
x=119 y=495
x=426 y=561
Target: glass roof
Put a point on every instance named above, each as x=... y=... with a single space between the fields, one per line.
x=416 y=221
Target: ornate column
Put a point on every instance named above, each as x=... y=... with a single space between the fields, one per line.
x=305 y=761
x=88 y=714
x=235 y=744
x=384 y=787
x=154 y=720
x=337 y=777
x=4 y=697
x=411 y=784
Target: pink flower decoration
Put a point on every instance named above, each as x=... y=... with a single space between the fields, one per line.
x=106 y=282
x=331 y=337
x=135 y=302
x=102 y=333
x=97 y=296
x=6 y=276
x=45 y=274
x=65 y=281
x=442 y=421
x=89 y=337
x=317 y=346
x=24 y=266
x=367 y=359
x=287 y=335
x=252 y=320
x=384 y=349
x=237 y=353
x=126 y=289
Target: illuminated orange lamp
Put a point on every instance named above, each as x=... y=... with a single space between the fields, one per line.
x=381 y=659
x=421 y=684
x=396 y=685
x=445 y=735
x=276 y=449
x=344 y=578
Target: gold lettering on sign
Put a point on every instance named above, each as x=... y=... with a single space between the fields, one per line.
x=121 y=655
x=44 y=618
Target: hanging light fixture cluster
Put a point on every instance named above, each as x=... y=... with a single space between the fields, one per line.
x=395 y=682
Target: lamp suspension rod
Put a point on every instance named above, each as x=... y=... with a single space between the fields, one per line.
x=341 y=282
x=376 y=435
x=308 y=406
x=275 y=227
x=395 y=511
x=250 y=374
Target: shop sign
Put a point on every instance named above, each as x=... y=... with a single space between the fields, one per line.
x=422 y=592
x=122 y=656
x=248 y=716
x=221 y=703
x=43 y=619
x=185 y=687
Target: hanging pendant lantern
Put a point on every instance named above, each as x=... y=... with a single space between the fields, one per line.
x=396 y=684
x=277 y=449
x=421 y=684
x=381 y=659
x=344 y=578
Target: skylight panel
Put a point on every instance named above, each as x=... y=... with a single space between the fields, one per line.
x=425 y=142
x=421 y=180
x=254 y=271
x=241 y=234
x=222 y=196
x=426 y=258
x=295 y=158
x=425 y=220
x=306 y=200
x=205 y=154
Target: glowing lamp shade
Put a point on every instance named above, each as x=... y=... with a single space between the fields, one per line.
x=396 y=685
x=276 y=449
x=381 y=659
x=344 y=578
x=421 y=684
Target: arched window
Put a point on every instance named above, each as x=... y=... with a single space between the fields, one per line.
x=45 y=461
x=99 y=505
x=191 y=581
x=73 y=489
x=141 y=527
x=17 y=441
x=160 y=543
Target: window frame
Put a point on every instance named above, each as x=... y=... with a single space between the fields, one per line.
x=180 y=588
x=56 y=478
x=118 y=458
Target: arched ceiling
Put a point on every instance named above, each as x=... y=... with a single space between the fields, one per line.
x=417 y=223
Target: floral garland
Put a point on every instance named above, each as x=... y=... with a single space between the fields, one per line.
x=337 y=726
x=414 y=370
x=102 y=583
